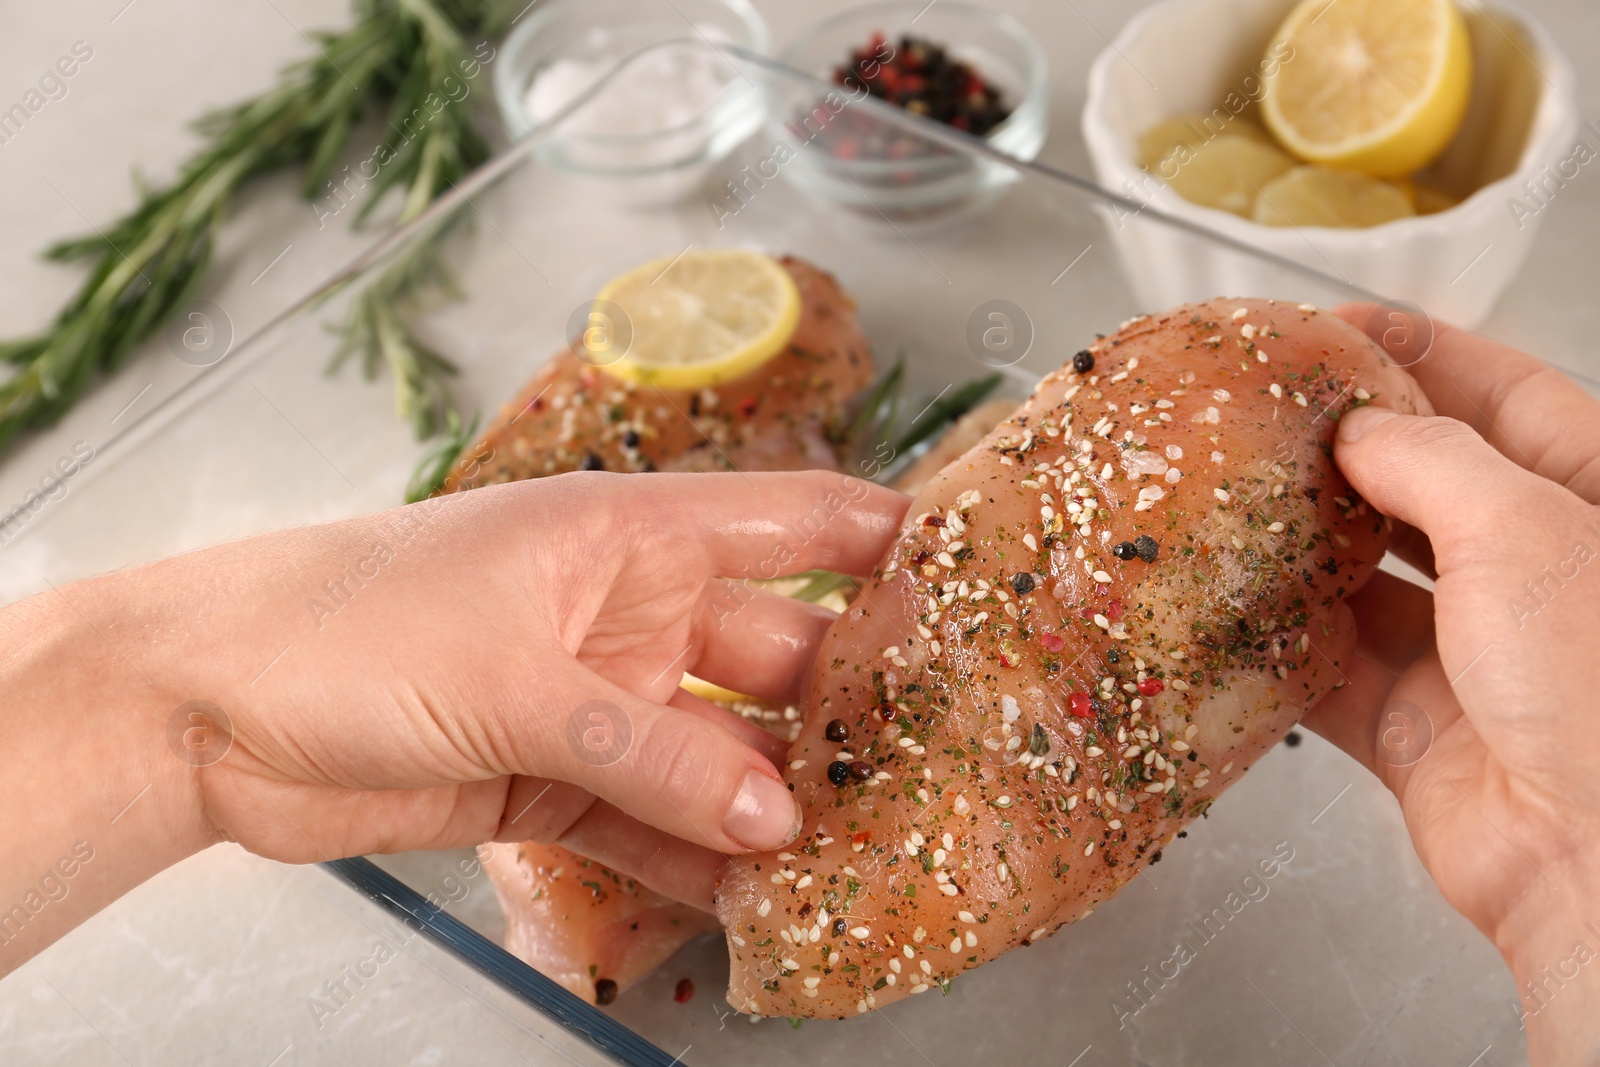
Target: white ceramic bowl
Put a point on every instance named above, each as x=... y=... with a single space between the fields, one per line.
x=1182 y=56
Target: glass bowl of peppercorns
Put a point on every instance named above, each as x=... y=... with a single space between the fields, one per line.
x=894 y=68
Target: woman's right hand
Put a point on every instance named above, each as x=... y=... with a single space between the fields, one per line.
x=1477 y=704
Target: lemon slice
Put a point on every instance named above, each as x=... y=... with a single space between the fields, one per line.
x=1320 y=196
x=1193 y=132
x=715 y=693
x=700 y=319
x=1377 y=86
x=1227 y=173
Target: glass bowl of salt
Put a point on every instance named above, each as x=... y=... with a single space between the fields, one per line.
x=653 y=128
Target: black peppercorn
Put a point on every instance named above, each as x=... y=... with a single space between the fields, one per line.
x=1124 y=550
x=630 y=439
x=1145 y=547
x=836 y=731
x=605 y=991
x=839 y=927
x=860 y=770
x=1083 y=362
x=838 y=772
x=1292 y=739
x=1022 y=583
x=592 y=462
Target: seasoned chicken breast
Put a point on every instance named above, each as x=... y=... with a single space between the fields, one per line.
x=1091 y=624
x=582 y=924
x=783 y=416
x=589 y=928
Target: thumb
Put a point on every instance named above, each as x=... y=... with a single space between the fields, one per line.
x=680 y=772
x=1440 y=476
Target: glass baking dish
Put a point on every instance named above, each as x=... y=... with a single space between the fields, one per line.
x=1346 y=954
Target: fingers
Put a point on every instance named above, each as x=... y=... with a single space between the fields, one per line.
x=758 y=642
x=678 y=869
x=1412 y=545
x=1441 y=477
x=760 y=526
x=1394 y=620
x=1386 y=720
x=1534 y=414
x=1394 y=628
x=757 y=737
x=679 y=772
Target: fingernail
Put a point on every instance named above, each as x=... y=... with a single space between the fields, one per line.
x=1358 y=423
x=764 y=814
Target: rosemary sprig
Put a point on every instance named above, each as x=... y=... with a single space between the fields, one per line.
x=145 y=265
x=377 y=329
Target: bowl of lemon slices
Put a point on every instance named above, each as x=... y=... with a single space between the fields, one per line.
x=1386 y=143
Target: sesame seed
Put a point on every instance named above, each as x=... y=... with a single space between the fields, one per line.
x=966 y=916
x=860 y=933
x=1088 y=850
x=949 y=889
x=1239 y=313
x=765 y=907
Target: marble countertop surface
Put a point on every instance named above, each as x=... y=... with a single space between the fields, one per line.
x=221 y=959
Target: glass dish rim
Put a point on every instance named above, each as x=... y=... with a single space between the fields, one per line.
x=514 y=154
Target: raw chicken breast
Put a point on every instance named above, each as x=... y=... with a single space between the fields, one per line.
x=576 y=921
x=782 y=416
x=1090 y=625
x=582 y=924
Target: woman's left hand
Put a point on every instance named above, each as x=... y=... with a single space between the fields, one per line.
x=502 y=664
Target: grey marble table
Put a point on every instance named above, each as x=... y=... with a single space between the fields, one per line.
x=227 y=957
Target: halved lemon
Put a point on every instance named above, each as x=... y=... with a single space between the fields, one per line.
x=1376 y=86
x=701 y=318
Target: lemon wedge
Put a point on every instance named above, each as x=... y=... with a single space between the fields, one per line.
x=1376 y=86
x=701 y=318
x=1321 y=196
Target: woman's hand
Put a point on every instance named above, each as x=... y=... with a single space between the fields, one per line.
x=495 y=665
x=1477 y=704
